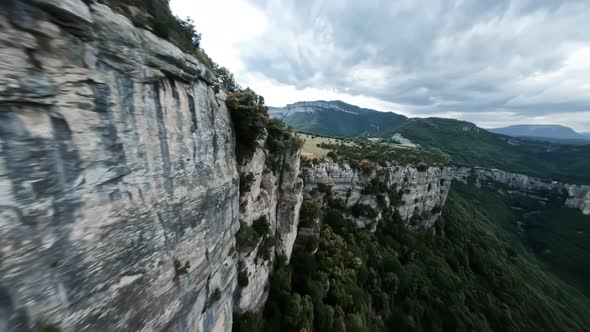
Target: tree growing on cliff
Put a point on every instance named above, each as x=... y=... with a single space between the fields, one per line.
x=249 y=116
x=161 y=21
x=226 y=79
x=309 y=212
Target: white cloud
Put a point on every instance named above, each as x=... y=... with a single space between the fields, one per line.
x=526 y=61
x=280 y=94
x=365 y=75
x=226 y=26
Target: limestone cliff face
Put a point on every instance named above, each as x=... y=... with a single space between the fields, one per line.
x=574 y=196
x=276 y=195
x=119 y=186
x=116 y=159
x=578 y=197
x=418 y=195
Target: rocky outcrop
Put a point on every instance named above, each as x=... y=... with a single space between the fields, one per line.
x=542 y=190
x=289 y=202
x=275 y=194
x=118 y=182
x=579 y=198
x=417 y=194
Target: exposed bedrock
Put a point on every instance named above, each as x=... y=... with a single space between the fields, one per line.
x=118 y=183
x=417 y=194
x=275 y=195
x=572 y=195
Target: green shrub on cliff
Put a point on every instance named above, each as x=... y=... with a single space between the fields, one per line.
x=245 y=182
x=249 y=117
x=280 y=137
x=158 y=17
x=309 y=212
x=226 y=79
x=363 y=210
x=247 y=238
x=242 y=275
x=374 y=187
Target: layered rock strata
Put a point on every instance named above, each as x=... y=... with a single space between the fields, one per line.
x=118 y=182
x=274 y=194
x=573 y=196
x=417 y=194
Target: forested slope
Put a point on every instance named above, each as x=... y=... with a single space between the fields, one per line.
x=472 y=275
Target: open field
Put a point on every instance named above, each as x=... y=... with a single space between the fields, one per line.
x=311 y=148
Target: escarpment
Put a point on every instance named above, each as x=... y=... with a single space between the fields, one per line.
x=543 y=191
x=118 y=182
x=123 y=205
x=270 y=200
x=417 y=193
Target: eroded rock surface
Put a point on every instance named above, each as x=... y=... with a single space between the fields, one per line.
x=573 y=196
x=116 y=159
x=275 y=194
x=418 y=195
x=119 y=188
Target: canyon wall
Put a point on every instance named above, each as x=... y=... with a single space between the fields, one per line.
x=542 y=190
x=274 y=194
x=417 y=194
x=118 y=182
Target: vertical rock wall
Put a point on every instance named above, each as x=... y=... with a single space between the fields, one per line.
x=419 y=193
x=575 y=196
x=116 y=159
x=275 y=194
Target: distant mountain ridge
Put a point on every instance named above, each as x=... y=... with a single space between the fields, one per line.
x=466 y=144
x=335 y=118
x=538 y=131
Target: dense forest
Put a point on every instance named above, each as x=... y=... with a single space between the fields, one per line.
x=469 y=274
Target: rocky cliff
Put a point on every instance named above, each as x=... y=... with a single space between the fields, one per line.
x=120 y=200
x=273 y=195
x=118 y=182
x=119 y=186
x=541 y=190
x=416 y=193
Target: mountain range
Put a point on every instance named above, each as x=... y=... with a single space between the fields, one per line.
x=462 y=142
x=551 y=133
x=337 y=118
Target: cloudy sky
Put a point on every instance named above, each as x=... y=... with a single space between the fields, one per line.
x=494 y=62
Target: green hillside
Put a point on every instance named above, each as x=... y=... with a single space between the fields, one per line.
x=558 y=236
x=466 y=144
x=335 y=118
x=473 y=275
x=561 y=237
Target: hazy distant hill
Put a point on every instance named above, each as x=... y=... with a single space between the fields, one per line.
x=548 y=131
x=335 y=118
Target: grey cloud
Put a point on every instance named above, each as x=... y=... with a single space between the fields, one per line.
x=464 y=56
